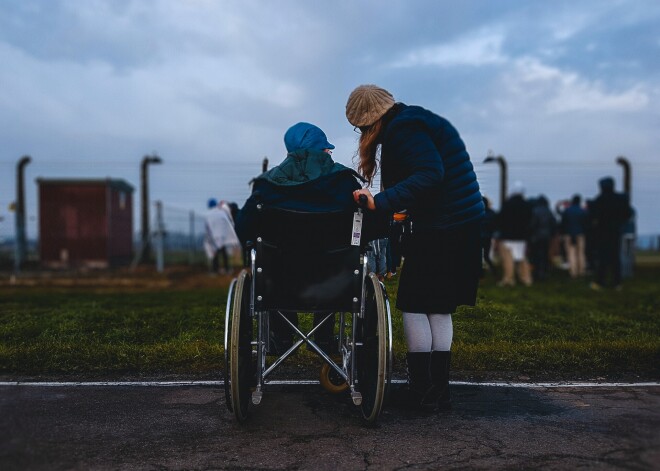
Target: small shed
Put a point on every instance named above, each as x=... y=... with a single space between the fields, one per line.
x=85 y=223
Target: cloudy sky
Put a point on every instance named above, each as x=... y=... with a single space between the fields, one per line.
x=560 y=88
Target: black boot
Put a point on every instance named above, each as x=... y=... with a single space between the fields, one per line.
x=419 y=381
x=438 y=395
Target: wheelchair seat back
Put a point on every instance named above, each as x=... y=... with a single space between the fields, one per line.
x=305 y=261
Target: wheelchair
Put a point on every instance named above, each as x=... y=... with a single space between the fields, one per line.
x=306 y=264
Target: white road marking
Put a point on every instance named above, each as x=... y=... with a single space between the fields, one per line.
x=70 y=384
x=559 y=385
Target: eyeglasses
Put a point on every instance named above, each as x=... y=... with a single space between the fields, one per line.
x=361 y=129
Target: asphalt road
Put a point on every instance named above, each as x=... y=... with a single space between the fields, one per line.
x=302 y=427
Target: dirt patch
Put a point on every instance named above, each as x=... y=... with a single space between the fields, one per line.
x=140 y=279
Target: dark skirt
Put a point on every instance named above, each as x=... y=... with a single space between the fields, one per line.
x=441 y=270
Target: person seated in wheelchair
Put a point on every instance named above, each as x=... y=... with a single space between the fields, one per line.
x=308 y=180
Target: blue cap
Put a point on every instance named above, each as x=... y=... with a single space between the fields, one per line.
x=212 y=203
x=305 y=136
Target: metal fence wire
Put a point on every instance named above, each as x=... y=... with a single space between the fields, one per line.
x=184 y=186
x=183 y=233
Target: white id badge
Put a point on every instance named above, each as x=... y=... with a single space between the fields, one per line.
x=357 y=228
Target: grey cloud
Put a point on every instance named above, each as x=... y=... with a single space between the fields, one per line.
x=206 y=81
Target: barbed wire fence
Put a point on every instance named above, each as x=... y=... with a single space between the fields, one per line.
x=183 y=187
x=183 y=233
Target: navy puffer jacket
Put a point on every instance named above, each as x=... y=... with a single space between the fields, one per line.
x=426 y=169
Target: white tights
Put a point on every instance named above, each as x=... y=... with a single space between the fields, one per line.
x=428 y=332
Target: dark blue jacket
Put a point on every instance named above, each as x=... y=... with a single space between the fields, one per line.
x=574 y=220
x=426 y=169
x=307 y=181
x=609 y=212
x=514 y=219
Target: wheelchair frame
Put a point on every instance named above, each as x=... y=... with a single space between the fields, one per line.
x=365 y=343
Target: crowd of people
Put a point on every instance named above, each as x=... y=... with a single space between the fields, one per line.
x=528 y=238
x=583 y=237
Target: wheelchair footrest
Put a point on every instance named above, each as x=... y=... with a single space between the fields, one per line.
x=357 y=398
x=256 y=397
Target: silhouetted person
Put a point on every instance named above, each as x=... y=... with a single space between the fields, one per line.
x=574 y=228
x=560 y=207
x=542 y=229
x=377 y=258
x=220 y=238
x=234 y=209
x=590 y=239
x=487 y=231
x=513 y=226
x=609 y=212
x=629 y=233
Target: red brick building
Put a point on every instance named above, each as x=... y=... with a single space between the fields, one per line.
x=85 y=222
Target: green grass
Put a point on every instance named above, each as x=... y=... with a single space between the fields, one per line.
x=73 y=331
x=563 y=328
x=556 y=330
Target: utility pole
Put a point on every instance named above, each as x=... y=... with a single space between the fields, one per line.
x=628 y=235
x=503 y=174
x=627 y=183
x=21 y=243
x=191 y=238
x=160 y=238
x=144 y=178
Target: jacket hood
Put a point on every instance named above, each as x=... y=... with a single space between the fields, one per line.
x=304 y=165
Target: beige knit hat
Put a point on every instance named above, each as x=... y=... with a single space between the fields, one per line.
x=367 y=104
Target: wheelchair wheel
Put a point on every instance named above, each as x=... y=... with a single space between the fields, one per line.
x=372 y=367
x=228 y=313
x=331 y=381
x=242 y=364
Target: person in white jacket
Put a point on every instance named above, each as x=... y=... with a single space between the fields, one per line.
x=220 y=239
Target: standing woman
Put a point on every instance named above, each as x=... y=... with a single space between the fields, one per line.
x=426 y=170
